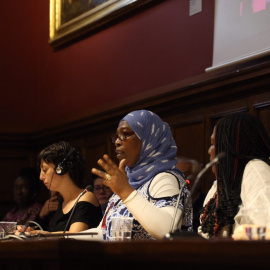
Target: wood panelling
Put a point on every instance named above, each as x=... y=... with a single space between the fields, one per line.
x=262 y=109
x=191 y=107
x=190 y=133
x=264 y=115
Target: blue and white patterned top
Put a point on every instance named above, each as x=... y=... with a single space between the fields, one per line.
x=116 y=208
x=157 y=155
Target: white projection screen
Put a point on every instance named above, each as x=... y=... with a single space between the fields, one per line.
x=241 y=31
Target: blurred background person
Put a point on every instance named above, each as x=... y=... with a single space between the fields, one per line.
x=48 y=210
x=102 y=192
x=191 y=168
x=25 y=193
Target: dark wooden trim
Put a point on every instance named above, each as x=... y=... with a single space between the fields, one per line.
x=186 y=253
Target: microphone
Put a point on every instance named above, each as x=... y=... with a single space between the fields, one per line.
x=190 y=179
x=87 y=189
x=178 y=232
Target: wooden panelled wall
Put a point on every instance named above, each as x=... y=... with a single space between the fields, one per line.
x=191 y=107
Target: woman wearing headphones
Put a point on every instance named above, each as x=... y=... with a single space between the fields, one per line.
x=62 y=169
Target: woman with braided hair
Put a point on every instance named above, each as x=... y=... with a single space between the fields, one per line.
x=243 y=177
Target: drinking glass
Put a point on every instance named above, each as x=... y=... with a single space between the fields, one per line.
x=121 y=228
x=8 y=227
x=255 y=221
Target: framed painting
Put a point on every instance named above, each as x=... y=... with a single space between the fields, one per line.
x=72 y=19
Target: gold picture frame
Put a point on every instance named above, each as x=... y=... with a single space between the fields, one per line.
x=72 y=19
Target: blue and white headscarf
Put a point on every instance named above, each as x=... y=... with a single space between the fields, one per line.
x=159 y=150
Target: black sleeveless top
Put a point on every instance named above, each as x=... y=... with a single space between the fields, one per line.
x=84 y=212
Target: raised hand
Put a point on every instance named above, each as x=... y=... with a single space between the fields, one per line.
x=115 y=177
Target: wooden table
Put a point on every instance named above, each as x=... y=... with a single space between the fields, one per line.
x=186 y=253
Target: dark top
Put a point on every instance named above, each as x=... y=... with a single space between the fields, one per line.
x=197 y=210
x=45 y=222
x=84 y=212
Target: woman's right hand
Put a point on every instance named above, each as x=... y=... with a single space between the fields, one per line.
x=22 y=229
x=29 y=231
x=117 y=181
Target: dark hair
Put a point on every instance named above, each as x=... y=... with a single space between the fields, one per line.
x=196 y=166
x=75 y=163
x=93 y=178
x=242 y=137
x=32 y=176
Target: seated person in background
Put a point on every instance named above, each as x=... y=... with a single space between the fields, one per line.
x=102 y=192
x=25 y=192
x=191 y=168
x=147 y=182
x=48 y=210
x=243 y=177
x=62 y=169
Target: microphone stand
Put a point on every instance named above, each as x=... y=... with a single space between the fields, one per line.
x=175 y=210
x=178 y=233
x=87 y=189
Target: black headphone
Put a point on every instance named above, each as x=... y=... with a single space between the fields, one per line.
x=61 y=167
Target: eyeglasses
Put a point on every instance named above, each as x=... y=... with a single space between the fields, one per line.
x=121 y=136
x=99 y=188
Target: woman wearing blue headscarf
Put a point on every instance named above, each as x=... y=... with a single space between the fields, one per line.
x=147 y=182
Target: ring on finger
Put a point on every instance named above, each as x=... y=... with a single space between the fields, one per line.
x=108 y=177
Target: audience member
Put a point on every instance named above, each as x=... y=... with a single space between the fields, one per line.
x=191 y=168
x=48 y=210
x=62 y=169
x=102 y=192
x=243 y=177
x=25 y=192
x=147 y=182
